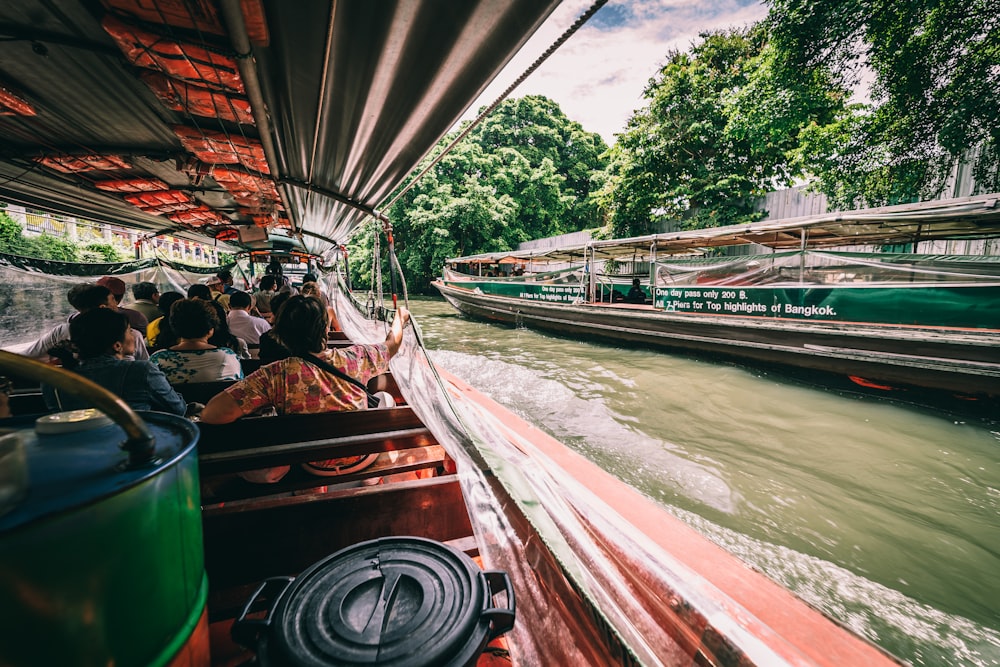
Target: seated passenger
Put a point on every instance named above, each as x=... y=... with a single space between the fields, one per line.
x=312 y=289
x=218 y=290
x=103 y=338
x=223 y=337
x=84 y=297
x=300 y=384
x=147 y=296
x=636 y=294
x=267 y=289
x=199 y=291
x=159 y=334
x=117 y=287
x=271 y=349
x=194 y=358
x=241 y=322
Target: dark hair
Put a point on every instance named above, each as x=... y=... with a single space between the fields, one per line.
x=277 y=301
x=302 y=324
x=193 y=318
x=224 y=275
x=96 y=331
x=223 y=337
x=267 y=282
x=167 y=299
x=240 y=300
x=144 y=290
x=199 y=291
x=88 y=296
x=309 y=278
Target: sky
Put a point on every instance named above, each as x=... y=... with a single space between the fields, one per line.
x=597 y=77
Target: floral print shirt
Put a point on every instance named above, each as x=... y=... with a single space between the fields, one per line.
x=294 y=386
x=181 y=366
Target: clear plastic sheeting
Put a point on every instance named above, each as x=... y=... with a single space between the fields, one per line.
x=813 y=267
x=563 y=276
x=33 y=292
x=591 y=588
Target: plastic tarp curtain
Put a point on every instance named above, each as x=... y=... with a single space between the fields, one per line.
x=33 y=291
x=826 y=268
x=508 y=484
x=570 y=275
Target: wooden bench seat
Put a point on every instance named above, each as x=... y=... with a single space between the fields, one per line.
x=229 y=488
x=263 y=442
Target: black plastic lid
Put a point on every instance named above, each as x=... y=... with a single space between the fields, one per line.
x=400 y=602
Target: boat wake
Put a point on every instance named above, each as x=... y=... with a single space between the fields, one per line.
x=587 y=425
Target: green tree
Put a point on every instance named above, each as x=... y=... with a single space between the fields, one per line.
x=720 y=130
x=536 y=128
x=526 y=172
x=935 y=95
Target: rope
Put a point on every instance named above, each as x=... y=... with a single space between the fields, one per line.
x=583 y=18
x=376 y=286
x=402 y=280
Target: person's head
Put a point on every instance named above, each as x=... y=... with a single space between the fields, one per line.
x=309 y=278
x=146 y=290
x=302 y=325
x=193 y=318
x=199 y=291
x=309 y=289
x=116 y=285
x=268 y=283
x=101 y=331
x=240 y=301
x=214 y=284
x=222 y=337
x=278 y=300
x=635 y=282
x=274 y=267
x=88 y=296
x=225 y=277
x=168 y=299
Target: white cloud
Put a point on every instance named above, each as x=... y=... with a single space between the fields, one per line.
x=598 y=76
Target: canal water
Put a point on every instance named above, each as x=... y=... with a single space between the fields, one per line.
x=885 y=517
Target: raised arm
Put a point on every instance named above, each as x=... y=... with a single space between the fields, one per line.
x=395 y=336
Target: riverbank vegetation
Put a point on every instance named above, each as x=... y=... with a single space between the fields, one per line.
x=13 y=241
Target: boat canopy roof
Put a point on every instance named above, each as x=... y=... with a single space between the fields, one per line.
x=965 y=218
x=193 y=117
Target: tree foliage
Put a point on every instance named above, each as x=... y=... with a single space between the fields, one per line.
x=935 y=95
x=719 y=131
x=101 y=252
x=524 y=173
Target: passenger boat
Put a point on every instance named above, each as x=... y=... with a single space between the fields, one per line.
x=815 y=294
x=278 y=126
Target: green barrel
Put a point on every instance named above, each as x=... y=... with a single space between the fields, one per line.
x=99 y=564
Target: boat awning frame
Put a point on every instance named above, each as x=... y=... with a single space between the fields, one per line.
x=964 y=218
x=348 y=98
